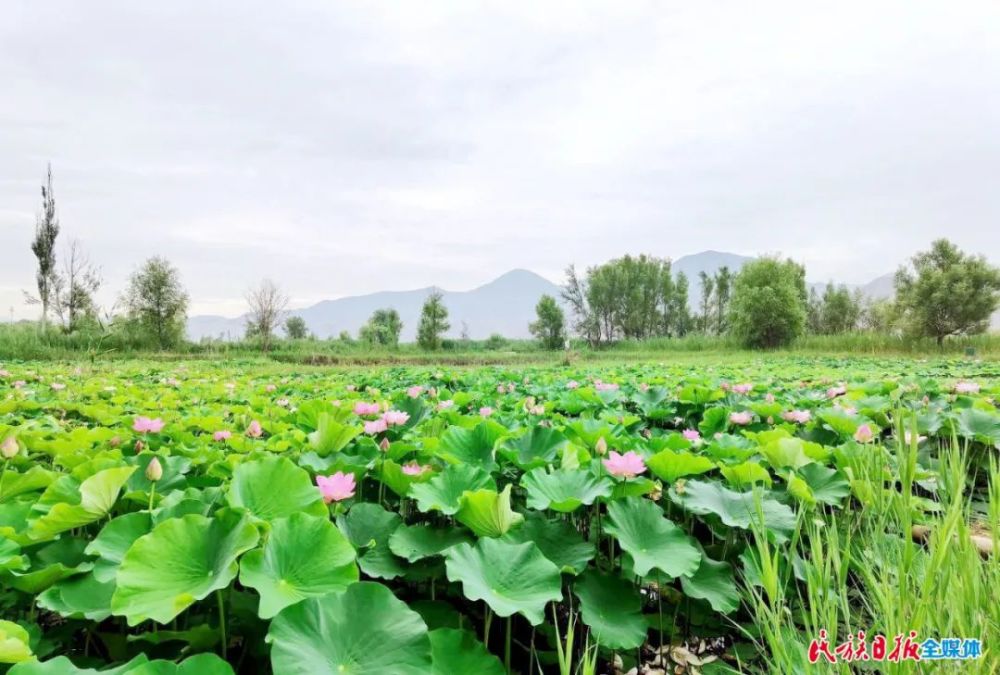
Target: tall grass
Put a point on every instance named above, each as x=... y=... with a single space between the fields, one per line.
x=863 y=569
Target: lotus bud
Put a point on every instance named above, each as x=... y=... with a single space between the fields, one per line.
x=115 y=441
x=139 y=445
x=601 y=447
x=154 y=470
x=384 y=445
x=9 y=447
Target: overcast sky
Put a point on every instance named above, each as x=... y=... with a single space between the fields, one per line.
x=348 y=147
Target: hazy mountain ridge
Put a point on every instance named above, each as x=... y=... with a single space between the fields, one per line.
x=505 y=305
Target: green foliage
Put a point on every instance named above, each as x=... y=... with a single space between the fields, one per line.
x=550 y=327
x=383 y=328
x=433 y=322
x=296 y=328
x=156 y=303
x=768 y=307
x=837 y=311
x=947 y=292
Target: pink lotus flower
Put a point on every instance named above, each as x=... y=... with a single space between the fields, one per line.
x=18 y=384
x=864 y=434
x=797 y=416
x=361 y=408
x=173 y=382
x=908 y=437
x=605 y=386
x=741 y=418
x=628 y=465
x=834 y=392
x=395 y=417
x=501 y=389
x=444 y=405
x=536 y=410
x=145 y=425
x=230 y=385
x=414 y=391
x=336 y=488
x=414 y=469
x=643 y=387
x=270 y=388
x=255 y=430
x=691 y=435
x=485 y=411
x=742 y=388
x=769 y=397
x=350 y=387
x=9 y=447
x=58 y=386
x=572 y=384
x=965 y=387
x=4 y=373
x=282 y=402
x=376 y=426
x=223 y=435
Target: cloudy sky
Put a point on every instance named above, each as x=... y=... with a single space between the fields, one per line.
x=349 y=147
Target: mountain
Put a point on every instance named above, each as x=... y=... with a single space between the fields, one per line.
x=708 y=262
x=505 y=305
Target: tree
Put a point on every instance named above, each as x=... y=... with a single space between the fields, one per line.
x=296 y=328
x=840 y=310
x=947 y=292
x=267 y=303
x=433 y=322
x=157 y=303
x=707 y=287
x=814 y=312
x=73 y=290
x=44 y=248
x=723 y=281
x=550 y=328
x=681 y=313
x=768 y=305
x=383 y=328
x=575 y=294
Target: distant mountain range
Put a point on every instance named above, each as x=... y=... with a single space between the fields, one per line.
x=505 y=305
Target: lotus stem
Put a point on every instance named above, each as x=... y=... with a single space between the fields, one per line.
x=506 y=647
x=222 y=622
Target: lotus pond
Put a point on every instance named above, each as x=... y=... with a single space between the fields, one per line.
x=211 y=518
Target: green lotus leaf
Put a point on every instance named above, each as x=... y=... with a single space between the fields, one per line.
x=368 y=528
x=303 y=557
x=416 y=542
x=114 y=540
x=668 y=466
x=14 y=641
x=558 y=541
x=981 y=425
x=90 y=502
x=563 y=490
x=365 y=630
x=736 y=509
x=799 y=489
x=199 y=638
x=612 y=608
x=786 y=453
x=34 y=479
x=652 y=540
x=488 y=513
x=200 y=664
x=471 y=446
x=50 y=563
x=330 y=435
x=391 y=473
x=713 y=581
x=444 y=491
x=79 y=597
x=274 y=488
x=746 y=473
x=63 y=666
x=508 y=577
x=458 y=652
x=539 y=447
x=181 y=561
x=11 y=559
x=713 y=421
x=827 y=485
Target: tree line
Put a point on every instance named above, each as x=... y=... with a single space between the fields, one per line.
x=943 y=292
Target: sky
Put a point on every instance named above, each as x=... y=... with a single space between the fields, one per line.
x=342 y=148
